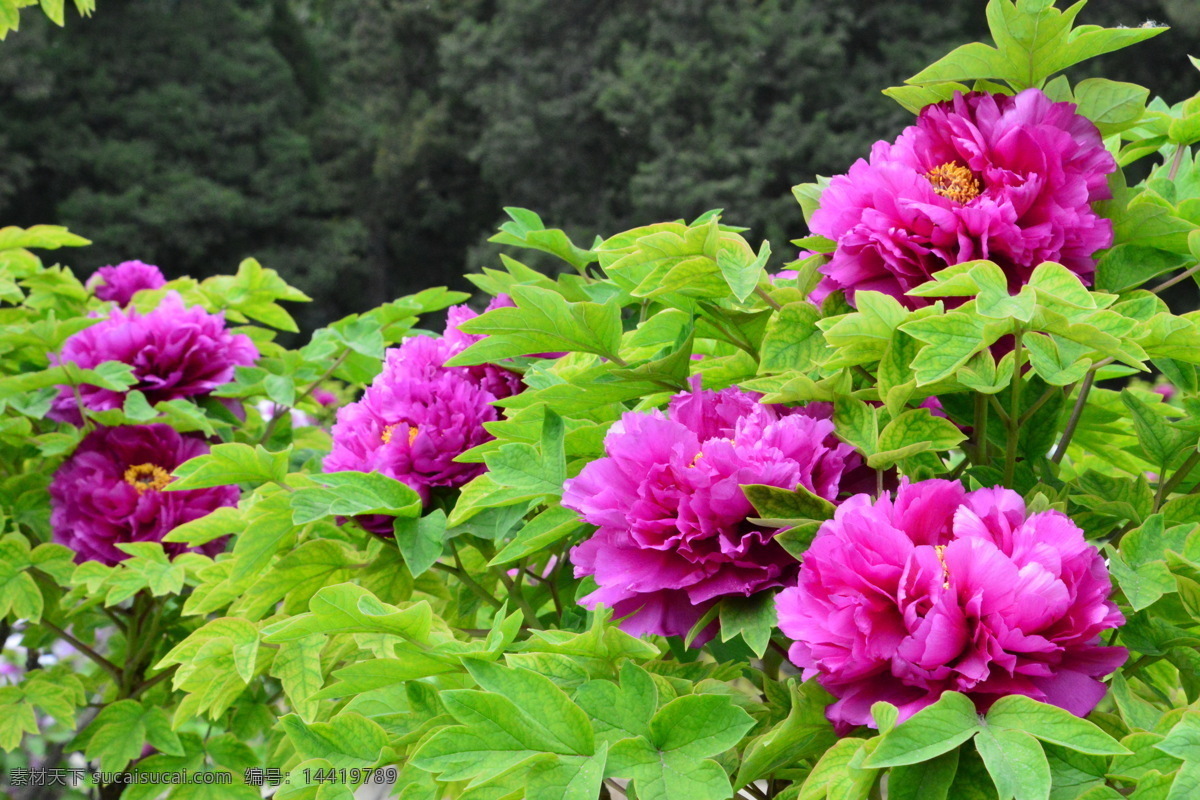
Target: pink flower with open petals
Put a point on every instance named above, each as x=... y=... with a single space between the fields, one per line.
x=938 y=589
x=982 y=176
x=110 y=492
x=121 y=282
x=176 y=351
x=674 y=535
x=419 y=415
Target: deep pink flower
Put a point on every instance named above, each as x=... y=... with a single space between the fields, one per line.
x=983 y=176
x=175 y=352
x=943 y=589
x=673 y=535
x=1166 y=390
x=418 y=415
x=122 y=282
x=109 y=492
x=324 y=397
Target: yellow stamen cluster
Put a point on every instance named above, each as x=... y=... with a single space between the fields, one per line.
x=940 y=549
x=386 y=436
x=147 y=476
x=954 y=182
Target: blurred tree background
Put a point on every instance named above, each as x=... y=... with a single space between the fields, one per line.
x=365 y=148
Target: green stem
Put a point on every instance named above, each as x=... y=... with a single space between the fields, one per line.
x=551 y=587
x=980 y=423
x=1012 y=424
x=1167 y=284
x=460 y=572
x=758 y=290
x=1176 y=162
x=103 y=662
x=1028 y=413
x=152 y=682
x=1166 y=487
x=1069 y=432
x=514 y=591
x=280 y=412
x=999 y=409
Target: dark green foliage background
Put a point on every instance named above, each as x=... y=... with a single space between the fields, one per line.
x=364 y=148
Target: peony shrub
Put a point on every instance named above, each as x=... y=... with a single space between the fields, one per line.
x=910 y=515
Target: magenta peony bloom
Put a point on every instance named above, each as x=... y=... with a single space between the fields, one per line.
x=419 y=415
x=943 y=589
x=324 y=397
x=109 y=492
x=122 y=282
x=1009 y=179
x=673 y=534
x=175 y=352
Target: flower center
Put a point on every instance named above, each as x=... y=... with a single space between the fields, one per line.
x=386 y=436
x=940 y=549
x=954 y=182
x=147 y=476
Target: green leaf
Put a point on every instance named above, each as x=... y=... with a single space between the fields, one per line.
x=802 y=734
x=347 y=741
x=20 y=596
x=776 y=503
x=863 y=337
x=228 y=464
x=1128 y=266
x=742 y=273
x=543 y=321
x=39 y=237
x=421 y=540
x=1052 y=724
x=547 y=528
x=951 y=340
x=618 y=712
x=116 y=736
x=667 y=776
x=914 y=431
x=673 y=761
x=17 y=717
x=1016 y=763
x=527 y=230
x=792 y=340
x=347 y=494
x=1112 y=105
x=929 y=780
x=839 y=774
x=346 y=608
x=297 y=665
x=525 y=468
x=1160 y=441
x=752 y=617
x=1183 y=740
x=930 y=732
x=970 y=62
x=557 y=719
x=1057 y=361
x=698 y=726
x=856 y=423
x=522 y=716
x=376 y=673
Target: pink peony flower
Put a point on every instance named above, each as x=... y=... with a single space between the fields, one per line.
x=673 y=536
x=122 y=282
x=324 y=397
x=1010 y=179
x=109 y=492
x=419 y=415
x=175 y=352
x=942 y=589
x=1167 y=391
